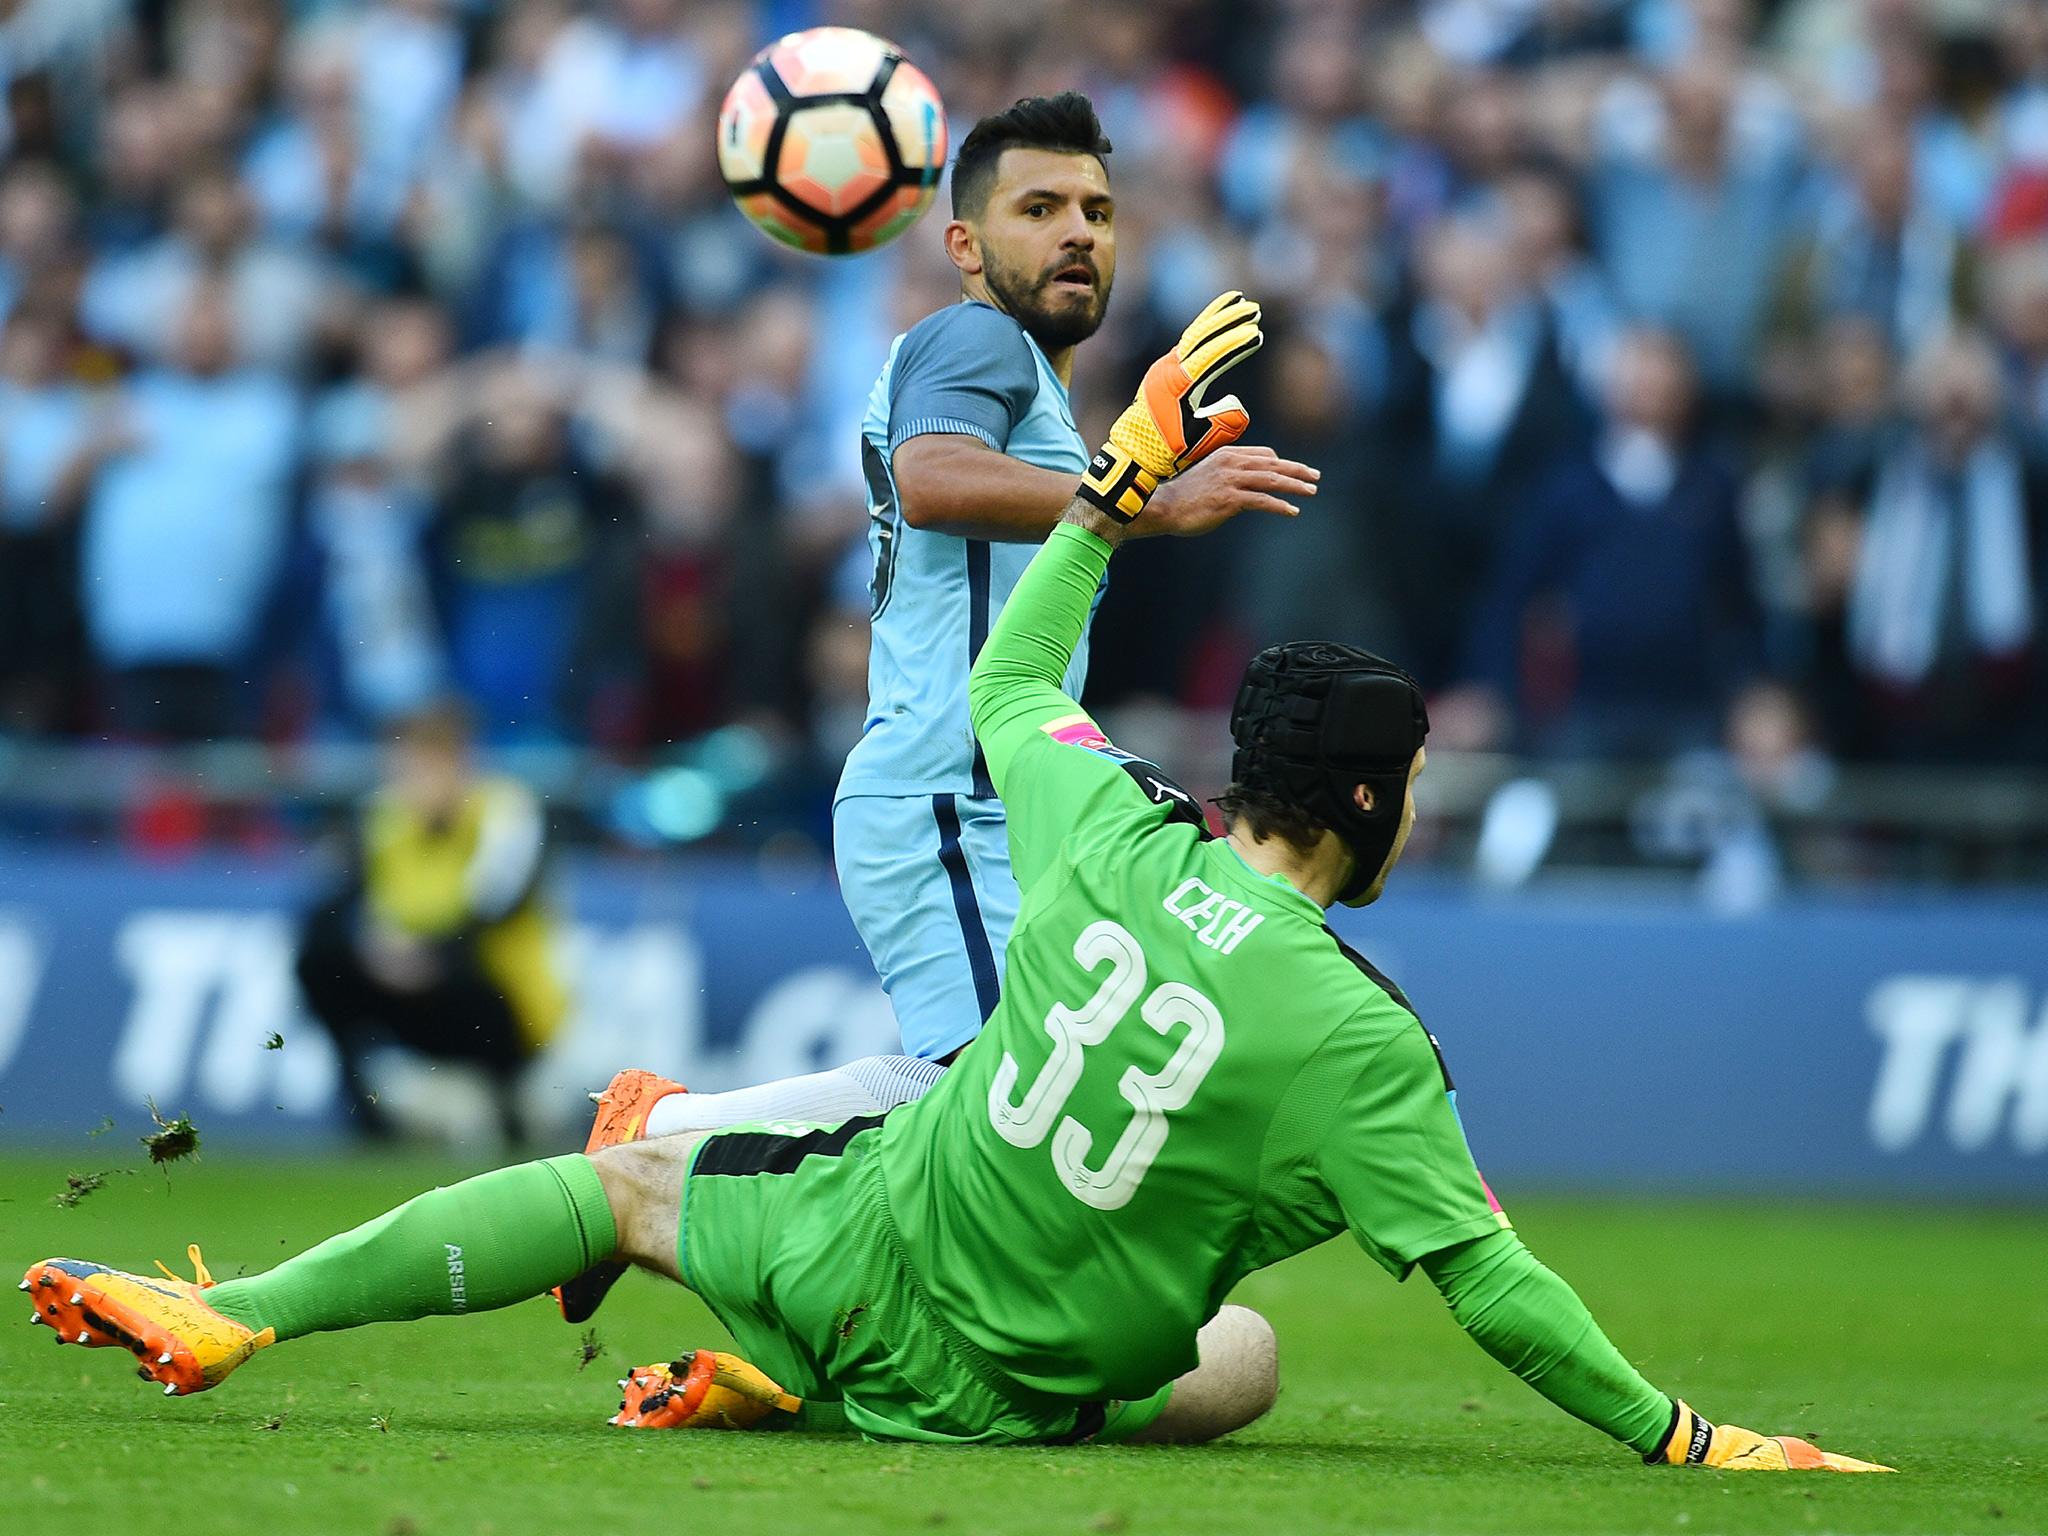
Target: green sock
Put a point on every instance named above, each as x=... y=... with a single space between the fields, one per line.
x=487 y=1242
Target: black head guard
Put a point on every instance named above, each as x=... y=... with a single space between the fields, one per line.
x=1313 y=720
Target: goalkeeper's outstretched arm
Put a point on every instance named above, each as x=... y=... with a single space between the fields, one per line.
x=1015 y=688
x=1172 y=425
x=1027 y=724
x=1532 y=1322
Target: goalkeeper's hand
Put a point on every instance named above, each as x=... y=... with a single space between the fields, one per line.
x=1173 y=423
x=1694 y=1442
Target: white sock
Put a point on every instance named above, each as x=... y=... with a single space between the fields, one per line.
x=874 y=1085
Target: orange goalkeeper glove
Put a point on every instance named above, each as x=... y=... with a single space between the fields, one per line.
x=1696 y=1443
x=1172 y=423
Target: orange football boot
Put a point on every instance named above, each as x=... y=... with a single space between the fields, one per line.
x=166 y=1324
x=708 y=1389
x=621 y=1116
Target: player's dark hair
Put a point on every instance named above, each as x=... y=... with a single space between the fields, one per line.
x=1065 y=124
x=1267 y=816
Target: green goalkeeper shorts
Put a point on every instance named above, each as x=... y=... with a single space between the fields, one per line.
x=786 y=1234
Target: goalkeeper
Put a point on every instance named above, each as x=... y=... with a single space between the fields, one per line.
x=1188 y=1077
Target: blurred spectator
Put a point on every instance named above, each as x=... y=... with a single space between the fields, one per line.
x=140 y=152
x=1692 y=203
x=1547 y=238
x=1950 y=164
x=676 y=677
x=36 y=217
x=1927 y=593
x=1320 y=574
x=225 y=56
x=1882 y=252
x=2018 y=283
x=185 y=527
x=407 y=68
x=1479 y=402
x=49 y=50
x=439 y=935
x=51 y=442
x=368 y=100
x=1485 y=130
x=1413 y=86
x=585 y=289
x=532 y=548
x=1652 y=627
x=2019 y=202
x=273 y=291
x=603 y=91
x=367 y=515
x=1320 y=120
x=1854 y=416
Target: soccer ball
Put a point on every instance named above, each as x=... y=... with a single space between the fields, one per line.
x=832 y=141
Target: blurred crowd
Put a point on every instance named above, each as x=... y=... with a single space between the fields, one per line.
x=1678 y=368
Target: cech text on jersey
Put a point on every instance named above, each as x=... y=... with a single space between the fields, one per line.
x=1217 y=920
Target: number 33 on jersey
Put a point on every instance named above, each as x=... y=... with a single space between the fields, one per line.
x=1171 y=1007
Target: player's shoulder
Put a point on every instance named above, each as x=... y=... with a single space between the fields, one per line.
x=1364 y=1004
x=1372 y=985
x=972 y=330
x=1381 y=1019
x=1160 y=800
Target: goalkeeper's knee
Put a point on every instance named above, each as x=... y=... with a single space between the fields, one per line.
x=1235 y=1383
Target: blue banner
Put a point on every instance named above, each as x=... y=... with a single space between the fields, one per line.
x=1894 y=1046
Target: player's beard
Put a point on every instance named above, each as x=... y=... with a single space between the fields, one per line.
x=1053 y=320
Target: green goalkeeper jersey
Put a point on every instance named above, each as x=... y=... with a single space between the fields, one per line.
x=1188 y=1077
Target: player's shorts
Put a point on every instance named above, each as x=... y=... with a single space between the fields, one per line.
x=786 y=1234
x=927 y=880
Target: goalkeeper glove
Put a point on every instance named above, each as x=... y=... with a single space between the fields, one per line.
x=1696 y=1443
x=1172 y=424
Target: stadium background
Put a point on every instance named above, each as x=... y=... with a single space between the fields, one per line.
x=354 y=353
x=519 y=406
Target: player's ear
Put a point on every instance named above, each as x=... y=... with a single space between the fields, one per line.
x=1362 y=798
x=963 y=247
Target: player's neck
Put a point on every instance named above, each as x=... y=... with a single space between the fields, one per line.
x=1318 y=872
x=1061 y=362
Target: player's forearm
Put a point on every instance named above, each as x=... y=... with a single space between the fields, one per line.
x=961 y=486
x=1015 y=686
x=1533 y=1323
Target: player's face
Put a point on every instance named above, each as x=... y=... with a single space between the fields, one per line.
x=429 y=777
x=1048 y=244
x=1379 y=884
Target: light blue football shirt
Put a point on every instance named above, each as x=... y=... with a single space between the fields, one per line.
x=971 y=370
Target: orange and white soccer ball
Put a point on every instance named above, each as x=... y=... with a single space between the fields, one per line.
x=832 y=141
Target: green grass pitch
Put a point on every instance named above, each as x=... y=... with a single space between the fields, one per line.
x=1917 y=1336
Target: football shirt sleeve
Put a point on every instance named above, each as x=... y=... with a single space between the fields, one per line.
x=966 y=371
x=1395 y=1155
x=1532 y=1322
x=1051 y=763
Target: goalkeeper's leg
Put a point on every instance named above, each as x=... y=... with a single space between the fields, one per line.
x=1236 y=1381
x=487 y=1242
x=644 y=1104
